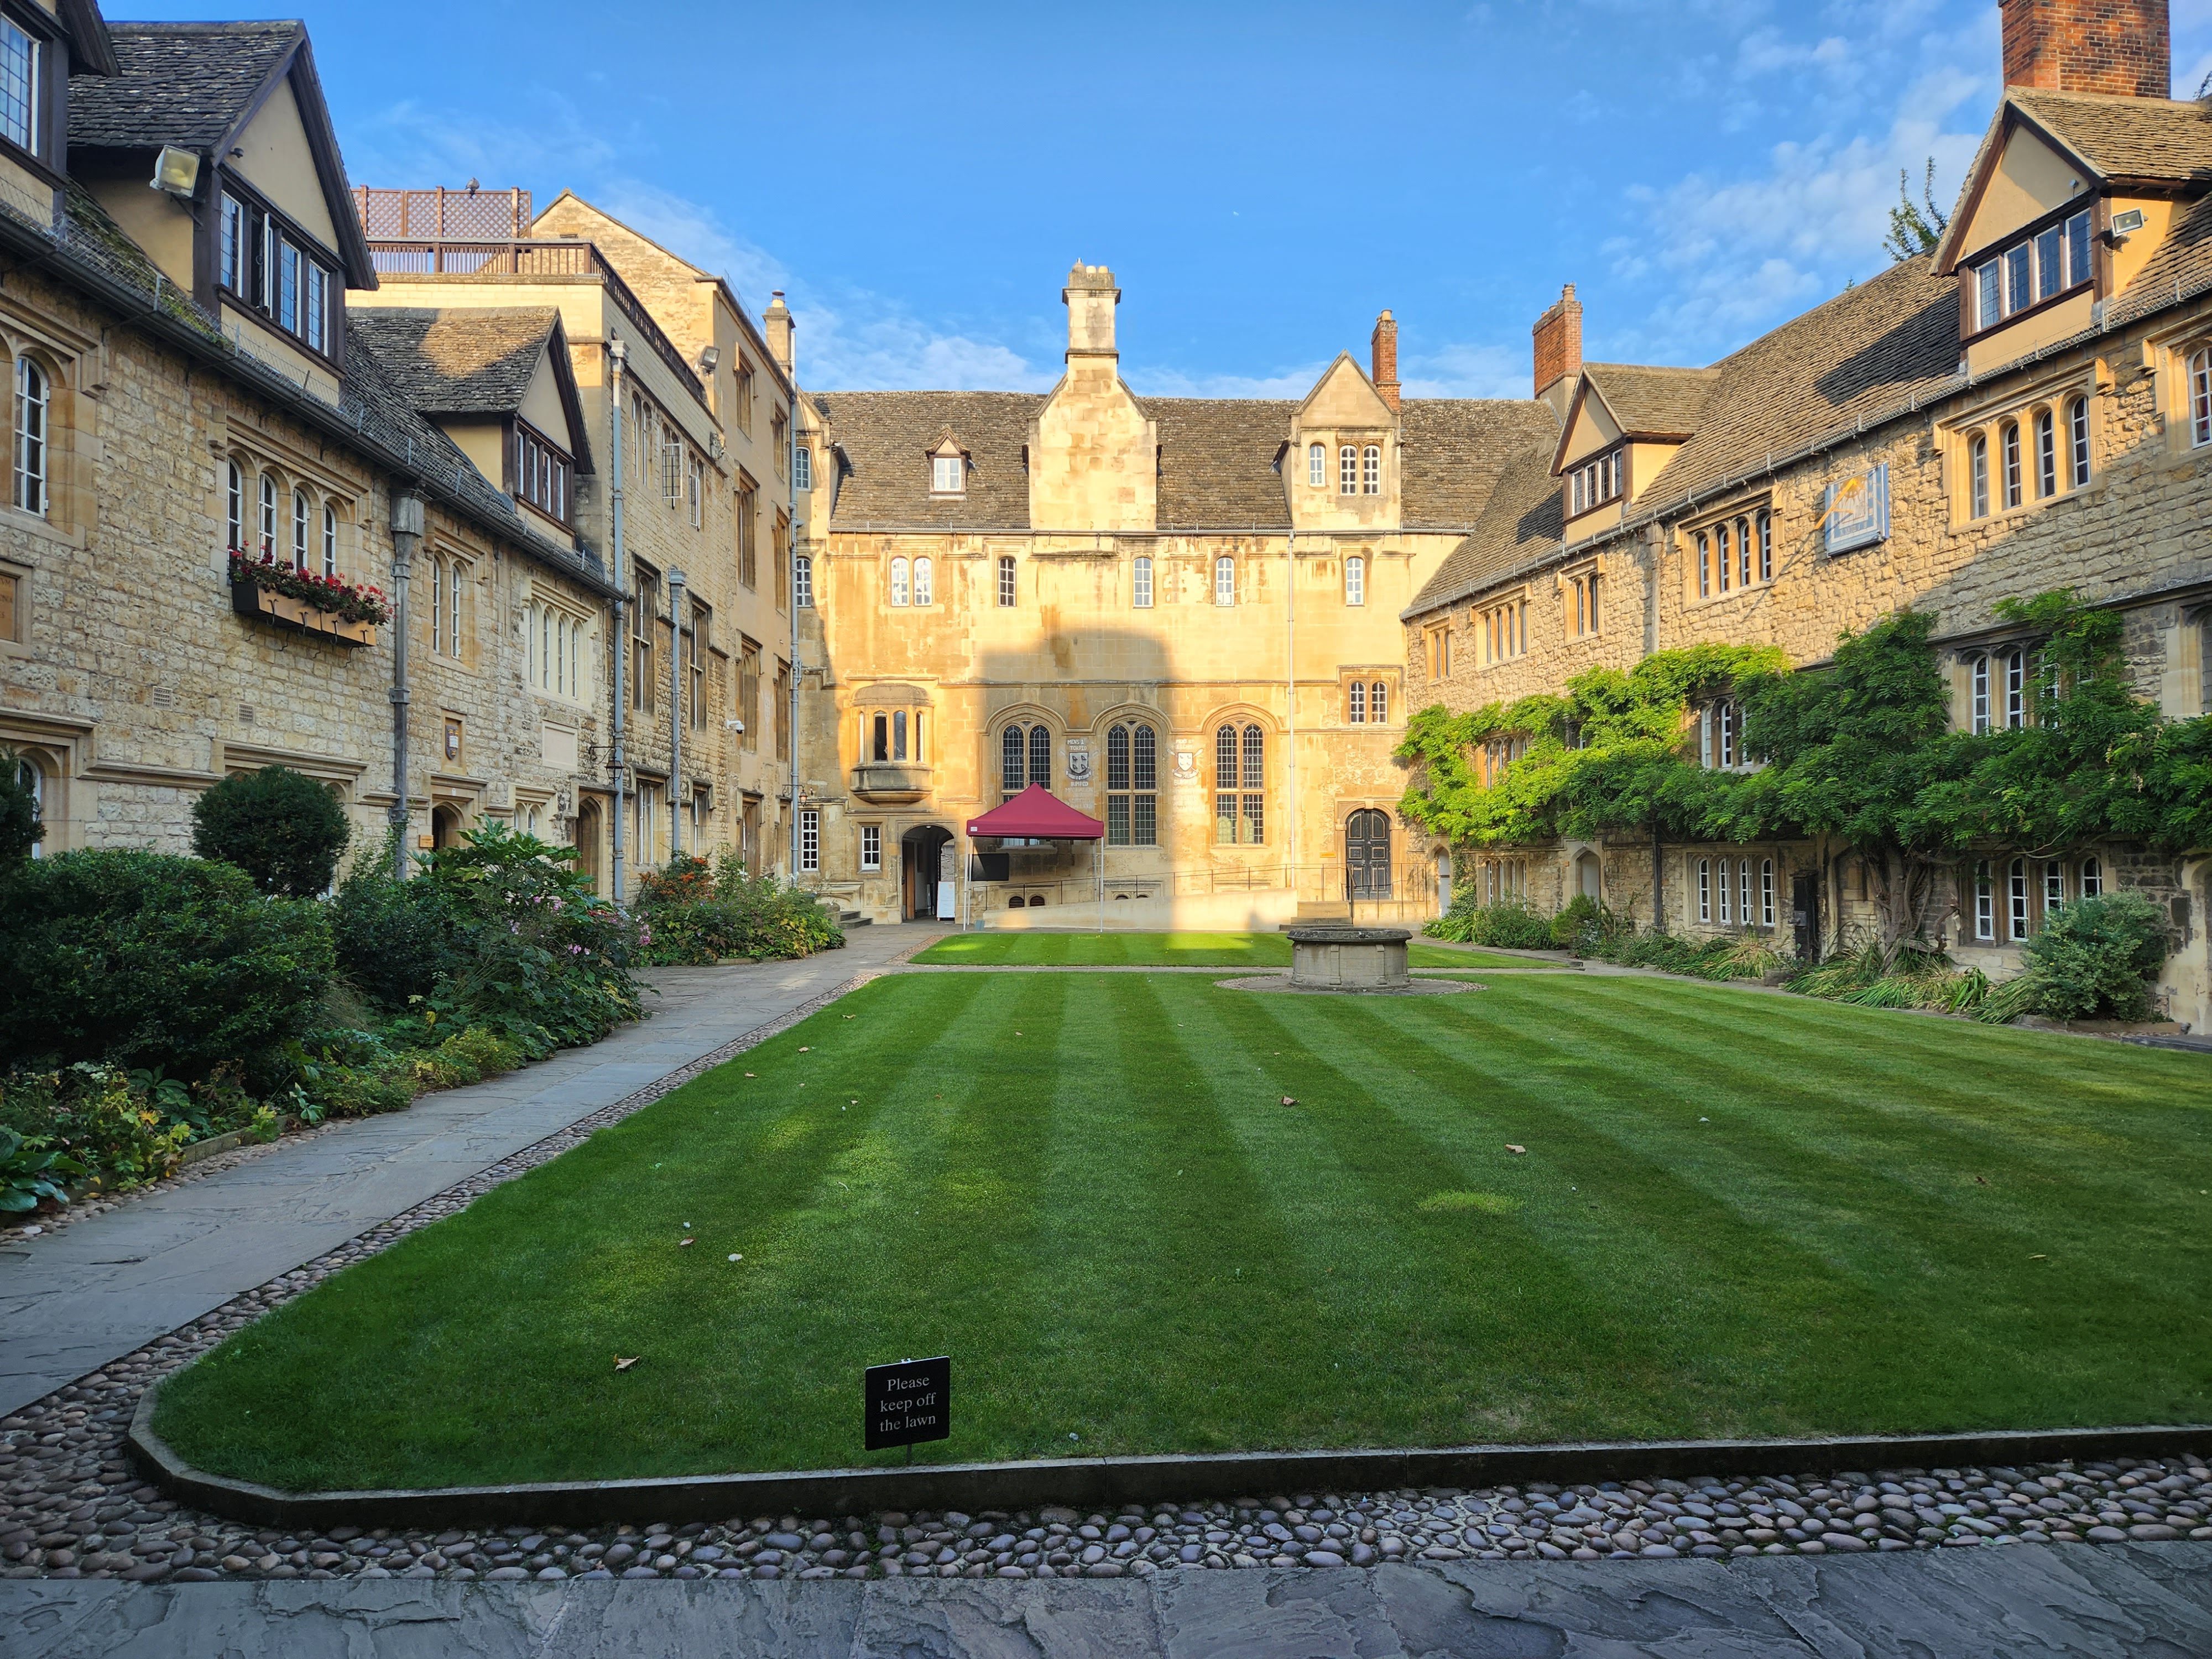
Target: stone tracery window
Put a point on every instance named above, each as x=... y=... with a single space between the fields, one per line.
x=1240 y=782
x=1132 y=785
x=33 y=407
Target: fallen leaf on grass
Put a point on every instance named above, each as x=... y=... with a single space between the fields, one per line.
x=686 y=1243
x=1289 y=1101
x=621 y=1365
x=1511 y=1147
x=1981 y=1180
x=2038 y=1258
x=737 y=1258
x=802 y=1047
x=748 y=1073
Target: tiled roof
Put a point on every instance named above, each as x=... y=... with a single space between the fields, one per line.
x=1653 y=403
x=457 y=360
x=1520 y=525
x=1218 y=462
x=2126 y=138
x=1890 y=341
x=882 y=440
x=1454 y=449
x=185 y=84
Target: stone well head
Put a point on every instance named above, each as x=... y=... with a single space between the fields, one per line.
x=1344 y=958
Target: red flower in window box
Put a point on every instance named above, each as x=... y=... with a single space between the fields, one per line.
x=356 y=602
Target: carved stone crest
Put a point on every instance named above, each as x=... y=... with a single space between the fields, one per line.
x=1079 y=764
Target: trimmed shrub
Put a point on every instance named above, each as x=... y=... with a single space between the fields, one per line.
x=394 y=939
x=2095 y=956
x=149 y=960
x=1508 y=925
x=692 y=913
x=283 y=829
x=19 y=827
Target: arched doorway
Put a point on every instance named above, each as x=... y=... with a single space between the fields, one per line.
x=587 y=842
x=1367 y=854
x=444 y=826
x=1589 y=878
x=926 y=888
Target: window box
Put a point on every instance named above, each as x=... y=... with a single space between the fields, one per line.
x=313 y=605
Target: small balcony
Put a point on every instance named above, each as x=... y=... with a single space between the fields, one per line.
x=890 y=783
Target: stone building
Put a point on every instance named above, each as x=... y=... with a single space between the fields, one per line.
x=665 y=352
x=2027 y=408
x=1179 y=615
x=199 y=427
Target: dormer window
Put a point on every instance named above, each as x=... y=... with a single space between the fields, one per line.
x=1595 y=483
x=948 y=475
x=2043 y=265
x=19 y=87
x=265 y=263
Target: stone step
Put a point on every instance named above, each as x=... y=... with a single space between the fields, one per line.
x=1324 y=911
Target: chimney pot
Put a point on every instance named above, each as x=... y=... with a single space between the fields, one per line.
x=1382 y=359
x=2123 y=47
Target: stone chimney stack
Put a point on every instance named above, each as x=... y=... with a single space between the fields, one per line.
x=1090 y=297
x=779 y=329
x=1558 y=351
x=2119 y=46
x=1382 y=357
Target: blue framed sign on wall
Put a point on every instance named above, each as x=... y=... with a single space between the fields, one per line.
x=1855 y=512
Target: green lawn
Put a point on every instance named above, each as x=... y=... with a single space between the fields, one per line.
x=1736 y=1214
x=1252 y=950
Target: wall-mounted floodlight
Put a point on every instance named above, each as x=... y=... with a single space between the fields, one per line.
x=176 y=171
x=709 y=358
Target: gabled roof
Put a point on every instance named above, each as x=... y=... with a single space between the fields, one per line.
x=91 y=49
x=1656 y=405
x=882 y=440
x=1520 y=526
x=461 y=360
x=1217 y=461
x=2113 y=139
x=1454 y=449
x=197 y=85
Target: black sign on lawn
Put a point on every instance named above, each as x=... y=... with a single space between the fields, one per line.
x=908 y=1402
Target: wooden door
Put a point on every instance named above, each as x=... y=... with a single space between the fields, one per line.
x=1367 y=854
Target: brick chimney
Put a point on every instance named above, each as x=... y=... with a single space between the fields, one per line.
x=1382 y=357
x=2119 y=46
x=779 y=329
x=1558 y=347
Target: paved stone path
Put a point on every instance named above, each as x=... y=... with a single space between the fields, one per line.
x=71 y=1302
x=2128 y=1601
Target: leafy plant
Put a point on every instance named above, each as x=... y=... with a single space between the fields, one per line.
x=2095 y=957
x=692 y=912
x=283 y=829
x=95 y=1117
x=1915 y=227
x=357 y=602
x=149 y=960
x=1508 y=925
x=19 y=827
x=394 y=940
x=31 y=1170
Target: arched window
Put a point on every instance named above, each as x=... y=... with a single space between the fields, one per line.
x=802 y=468
x=1766 y=547
x=1743 y=552
x=898 y=581
x=437 y=605
x=1980 y=674
x=925 y=581
x=1978 y=472
x=1347 y=471
x=1316 y=465
x=1724 y=734
x=1705 y=565
x=2012 y=480
x=234 y=505
x=265 y=532
x=1239 y=786
x=2046 y=454
x=2093 y=877
x=1011 y=755
x=1726 y=911
x=1041 y=754
x=1766 y=892
x=2054 y=885
x=1743 y=892
x=1378 y=703
x=300 y=516
x=1355 y=579
x=1132 y=786
x=1705 y=889
x=2015 y=688
x=898 y=734
x=879 y=746
x=32 y=406
x=2199 y=396
x=1371 y=469
x=1721 y=561
x=2077 y=429
x=454 y=607
x=1224 y=580
x=1356 y=711
x=1985 y=905
x=802 y=582
x=2016 y=899
x=1140 y=581
x=330 y=540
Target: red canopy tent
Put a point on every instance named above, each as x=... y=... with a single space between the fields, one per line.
x=1037 y=814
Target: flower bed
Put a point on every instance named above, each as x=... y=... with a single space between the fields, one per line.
x=318 y=605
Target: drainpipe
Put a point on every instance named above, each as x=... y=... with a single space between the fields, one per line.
x=406 y=542
x=791 y=592
x=676 y=714
x=618 y=355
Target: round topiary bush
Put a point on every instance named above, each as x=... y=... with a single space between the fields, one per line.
x=146 y=959
x=283 y=830
x=2095 y=957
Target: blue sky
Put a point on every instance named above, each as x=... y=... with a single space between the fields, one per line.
x=1262 y=179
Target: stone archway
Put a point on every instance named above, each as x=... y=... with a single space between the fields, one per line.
x=923 y=870
x=589 y=832
x=446 y=826
x=1589 y=877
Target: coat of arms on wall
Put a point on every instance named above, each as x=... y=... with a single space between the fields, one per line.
x=1079 y=764
x=1186 y=765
